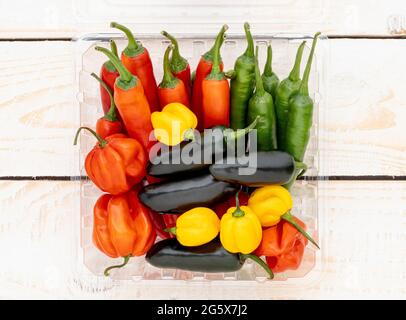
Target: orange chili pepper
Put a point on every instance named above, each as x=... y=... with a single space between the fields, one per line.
x=109 y=124
x=131 y=102
x=137 y=60
x=216 y=93
x=122 y=227
x=283 y=246
x=116 y=163
x=108 y=74
x=171 y=89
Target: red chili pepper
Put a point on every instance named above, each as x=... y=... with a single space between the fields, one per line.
x=116 y=163
x=122 y=227
x=202 y=71
x=109 y=124
x=171 y=89
x=137 y=60
x=170 y=222
x=131 y=102
x=283 y=245
x=221 y=208
x=179 y=65
x=108 y=74
x=216 y=93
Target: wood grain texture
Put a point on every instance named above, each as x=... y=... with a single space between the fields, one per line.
x=53 y=19
x=366 y=256
x=361 y=132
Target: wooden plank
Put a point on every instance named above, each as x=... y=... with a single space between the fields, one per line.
x=361 y=128
x=50 y=19
x=364 y=230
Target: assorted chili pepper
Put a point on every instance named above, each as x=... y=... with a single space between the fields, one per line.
x=213 y=211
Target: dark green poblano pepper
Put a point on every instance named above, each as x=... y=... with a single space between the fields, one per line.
x=261 y=106
x=242 y=83
x=269 y=78
x=286 y=89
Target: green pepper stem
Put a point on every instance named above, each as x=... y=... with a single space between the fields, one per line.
x=168 y=76
x=268 y=65
x=301 y=166
x=113 y=47
x=215 y=70
x=237 y=134
x=295 y=73
x=132 y=43
x=102 y=142
x=178 y=63
x=111 y=115
x=250 y=48
x=258 y=79
x=125 y=75
x=304 y=87
x=238 y=213
x=107 y=270
x=260 y=262
x=171 y=230
x=230 y=74
x=288 y=217
x=208 y=56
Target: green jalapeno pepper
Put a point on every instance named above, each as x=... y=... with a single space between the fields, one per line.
x=269 y=78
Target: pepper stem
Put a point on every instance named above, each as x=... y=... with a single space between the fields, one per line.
x=302 y=167
x=250 y=48
x=168 y=77
x=208 y=56
x=107 y=270
x=288 y=217
x=268 y=65
x=178 y=63
x=238 y=213
x=260 y=262
x=113 y=47
x=171 y=230
x=258 y=79
x=132 y=43
x=102 y=142
x=295 y=73
x=304 y=87
x=215 y=70
x=111 y=115
x=125 y=75
x=237 y=134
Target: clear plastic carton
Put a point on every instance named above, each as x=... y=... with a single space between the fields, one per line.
x=308 y=200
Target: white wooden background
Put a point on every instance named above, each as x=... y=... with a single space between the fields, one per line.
x=364 y=136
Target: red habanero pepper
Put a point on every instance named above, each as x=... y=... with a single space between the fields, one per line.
x=202 y=71
x=108 y=74
x=283 y=246
x=137 y=60
x=116 y=163
x=109 y=124
x=179 y=65
x=170 y=222
x=122 y=227
x=221 y=208
x=131 y=102
x=216 y=94
x=171 y=89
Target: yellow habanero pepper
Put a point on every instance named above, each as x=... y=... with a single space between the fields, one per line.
x=196 y=227
x=240 y=230
x=270 y=203
x=174 y=124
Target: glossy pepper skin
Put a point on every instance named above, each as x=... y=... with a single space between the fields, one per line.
x=179 y=65
x=240 y=230
x=174 y=124
x=131 y=102
x=109 y=124
x=283 y=246
x=181 y=195
x=270 y=203
x=208 y=258
x=171 y=89
x=269 y=78
x=216 y=92
x=196 y=227
x=287 y=89
x=243 y=83
x=272 y=168
x=202 y=71
x=261 y=105
x=169 y=162
x=116 y=163
x=108 y=74
x=122 y=227
x=137 y=60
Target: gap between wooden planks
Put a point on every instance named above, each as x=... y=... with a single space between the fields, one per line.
x=365 y=223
